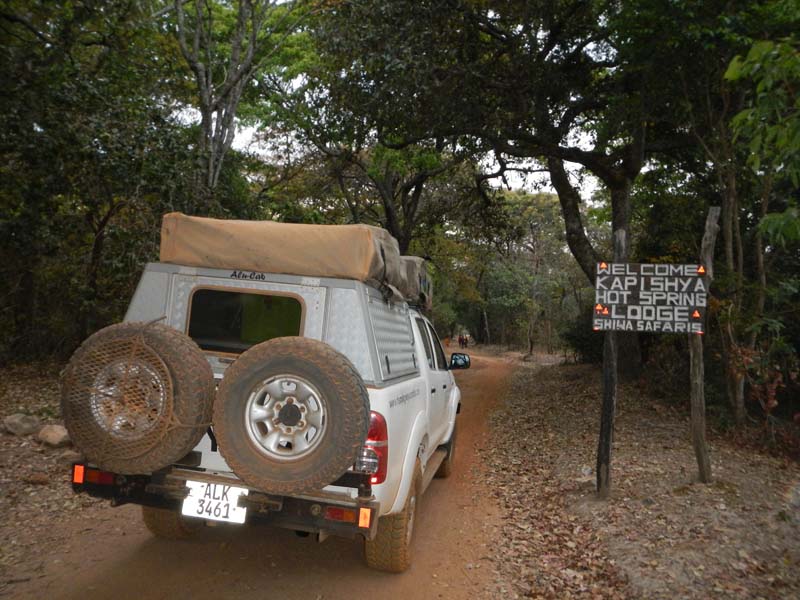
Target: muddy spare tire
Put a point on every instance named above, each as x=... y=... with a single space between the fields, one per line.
x=137 y=397
x=291 y=415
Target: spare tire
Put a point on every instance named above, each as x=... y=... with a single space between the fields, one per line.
x=137 y=397
x=291 y=415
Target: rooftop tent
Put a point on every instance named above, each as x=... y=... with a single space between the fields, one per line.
x=361 y=252
x=418 y=286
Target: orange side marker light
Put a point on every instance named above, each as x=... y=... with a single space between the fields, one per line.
x=364 y=515
x=78 y=473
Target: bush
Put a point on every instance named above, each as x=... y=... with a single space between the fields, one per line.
x=586 y=344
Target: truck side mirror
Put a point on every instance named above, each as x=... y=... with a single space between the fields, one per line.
x=459 y=361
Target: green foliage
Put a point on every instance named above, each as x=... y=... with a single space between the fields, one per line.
x=771 y=124
x=781 y=228
x=771 y=367
x=669 y=213
x=587 y=345
x=91 y=156
x=391 y=113
x=768 y=127
x=505 y=275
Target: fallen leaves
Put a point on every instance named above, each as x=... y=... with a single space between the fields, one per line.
x=34 y=477
x=546 y=551
x=661 y=534
x=37 y=478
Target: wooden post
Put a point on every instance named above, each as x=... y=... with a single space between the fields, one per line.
x=607 y=414
x=609 y=407
x=697 y=376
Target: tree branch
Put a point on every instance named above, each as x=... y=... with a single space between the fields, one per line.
x=12 y=18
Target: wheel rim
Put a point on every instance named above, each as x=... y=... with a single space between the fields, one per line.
x=286 y=417
x=128 y=398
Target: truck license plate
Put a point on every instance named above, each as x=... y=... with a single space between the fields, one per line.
x=214 y=501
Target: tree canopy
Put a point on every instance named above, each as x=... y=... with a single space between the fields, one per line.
x=513 y=144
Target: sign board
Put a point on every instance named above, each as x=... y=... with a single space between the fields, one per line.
x=656 y=298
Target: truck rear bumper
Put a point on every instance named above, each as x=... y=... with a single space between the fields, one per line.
x=324 y=512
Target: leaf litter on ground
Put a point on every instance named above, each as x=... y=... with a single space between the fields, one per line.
x=661 y=534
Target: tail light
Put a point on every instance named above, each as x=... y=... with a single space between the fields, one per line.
x=82 y=474
x=339 y=513
x=350 y=515
x=374 y=458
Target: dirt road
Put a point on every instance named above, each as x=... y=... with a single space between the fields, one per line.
x=113 y=555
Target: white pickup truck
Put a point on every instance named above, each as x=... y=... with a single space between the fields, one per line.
x=313 y=403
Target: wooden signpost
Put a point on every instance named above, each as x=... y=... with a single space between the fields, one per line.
x=650 y=298
x=656 y=298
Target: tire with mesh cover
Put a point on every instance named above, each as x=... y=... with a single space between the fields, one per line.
x=137 y=397
x=291 y=415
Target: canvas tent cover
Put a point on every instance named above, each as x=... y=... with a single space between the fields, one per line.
x=417 y=286
x=362 y=252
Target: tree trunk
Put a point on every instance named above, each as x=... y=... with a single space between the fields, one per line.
x=531 y=330
x=697 y=370
x=570 y=199
x=758 y=249
x=486 y=327
x=732 y=240
x=727 y=225
x=737 y=388
x=98 y=226
x=219 y=100
x=576 y=293
x=734 y=378
x=24 y=310
x=629 y=353
x=85 y=321
x=386 y=191
x=607 y=414
x=403 y=242
x=698 y=402
x=549 y=334
x=620 y=214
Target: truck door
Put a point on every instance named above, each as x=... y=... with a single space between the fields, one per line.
x=441 y=386
x=427 y=368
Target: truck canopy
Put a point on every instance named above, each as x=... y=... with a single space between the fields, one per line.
x=361 y=252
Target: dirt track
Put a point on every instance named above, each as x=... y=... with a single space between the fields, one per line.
x=113 y=556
